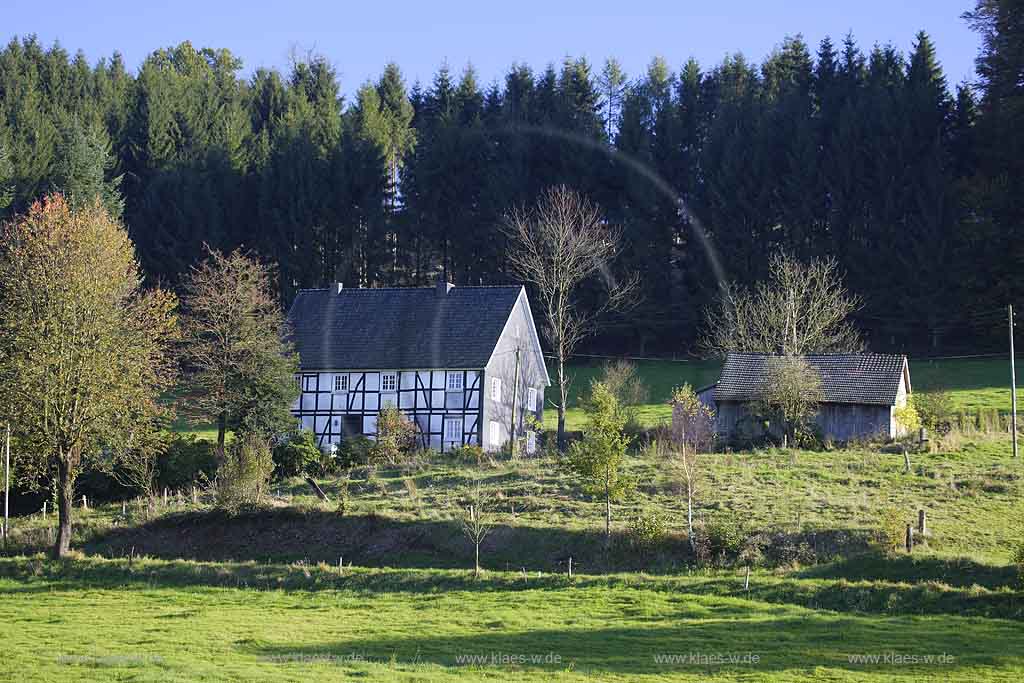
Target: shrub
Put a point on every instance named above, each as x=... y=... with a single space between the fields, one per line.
x=621 y=378
x=186 y=462
x=353 y=451
x=296 y=454
x=470 y=453
x=890 y=529
x=726 y=536
x=1018 y=559
x=244 y=477
x=752 y=549
x=343 y=494
x=809 y=437
x=647 y=531
x=396 y=437
x=907 y=418
x=935 y=409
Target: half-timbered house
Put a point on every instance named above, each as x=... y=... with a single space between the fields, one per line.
x=463 y=363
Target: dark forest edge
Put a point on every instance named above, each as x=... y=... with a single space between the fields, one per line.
x=867 y=156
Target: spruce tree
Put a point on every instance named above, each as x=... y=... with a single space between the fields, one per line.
x=83 y=168
x=613 y=87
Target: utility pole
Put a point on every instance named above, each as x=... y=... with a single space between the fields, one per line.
x=515 y=395
x=1013 y=387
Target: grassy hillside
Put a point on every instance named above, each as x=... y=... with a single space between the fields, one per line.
x=260 y=596
x=188 y=593
x=828 y=500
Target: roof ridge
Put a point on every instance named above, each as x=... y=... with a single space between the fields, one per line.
x=828 y=354
x=416 y=288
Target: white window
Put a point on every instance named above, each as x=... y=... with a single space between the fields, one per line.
x=496 y=389
x=495 y=433
x=341 y=382
x=453 y=431
x=531 y=441
x=454 y=381
x=531 y=399
x=388 y=381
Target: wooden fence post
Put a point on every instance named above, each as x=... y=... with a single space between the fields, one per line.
x=910 y=538
x=922 y=522
x=570 y=566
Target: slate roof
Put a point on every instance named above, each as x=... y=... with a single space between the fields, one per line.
x=399 y=328
x=860 y=378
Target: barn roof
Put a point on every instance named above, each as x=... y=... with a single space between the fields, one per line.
x=860 y=378
x=400 y=327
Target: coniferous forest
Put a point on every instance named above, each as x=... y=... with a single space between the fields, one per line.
x=861 y=153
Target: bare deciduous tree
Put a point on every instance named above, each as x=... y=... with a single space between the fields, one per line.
x=136 y=467
x=800 y=309
x=792 y=392
x=692 y=431
x=476 y=522
x=558 y=245
x=240 y=368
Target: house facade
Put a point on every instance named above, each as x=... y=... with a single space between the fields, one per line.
x=464 y=364
x=861 y=393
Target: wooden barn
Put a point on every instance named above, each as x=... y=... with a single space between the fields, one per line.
x=463 y=363
x=861 y=393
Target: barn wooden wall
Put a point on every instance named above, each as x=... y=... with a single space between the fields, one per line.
x=840 y=421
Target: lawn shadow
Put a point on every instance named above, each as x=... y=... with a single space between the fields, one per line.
x=953 y=571
x=801 y=645
x=369 y=540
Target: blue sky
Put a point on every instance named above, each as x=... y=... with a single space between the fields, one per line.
x=359 y=38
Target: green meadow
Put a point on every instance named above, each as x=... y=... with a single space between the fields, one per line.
x=383 y=589
x=103 y=620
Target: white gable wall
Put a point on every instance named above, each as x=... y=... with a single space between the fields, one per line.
x=519 y=333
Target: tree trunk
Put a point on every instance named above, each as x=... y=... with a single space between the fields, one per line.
x=222 y=428
x=563 y=390
x=689 y=518
x=65 y=501
x=476 y=565
x=607 y=515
